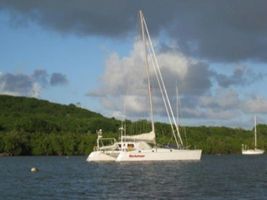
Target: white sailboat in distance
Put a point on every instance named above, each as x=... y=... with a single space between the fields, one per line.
x=254 y=151
x=143 y=147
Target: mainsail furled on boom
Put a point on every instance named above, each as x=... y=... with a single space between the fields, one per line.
x=147 y=137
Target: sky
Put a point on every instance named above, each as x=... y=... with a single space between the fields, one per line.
x=89 y=53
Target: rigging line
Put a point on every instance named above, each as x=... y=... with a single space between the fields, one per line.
x=177 y=105
x=179 y=114
x=255 y=132
x=161 y=90
x=161 y=79
x=161 y=82
x=147 y=71
x=124 y=98
x=168 y=102
x=160 y=85
x=165 y=104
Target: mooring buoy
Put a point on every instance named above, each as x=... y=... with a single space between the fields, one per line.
x=34 y=169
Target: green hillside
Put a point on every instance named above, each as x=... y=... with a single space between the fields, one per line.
x=31 y=126
x=32 y=115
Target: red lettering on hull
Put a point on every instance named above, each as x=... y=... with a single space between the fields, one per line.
x=136 y=156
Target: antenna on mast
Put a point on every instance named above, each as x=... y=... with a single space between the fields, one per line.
x=255 y=131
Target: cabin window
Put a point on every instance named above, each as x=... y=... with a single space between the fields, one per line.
x=130 y=145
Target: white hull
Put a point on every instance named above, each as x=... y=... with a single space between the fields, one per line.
x=159 y=155
x=100 y=156
x=145 y=155
x=252 y=152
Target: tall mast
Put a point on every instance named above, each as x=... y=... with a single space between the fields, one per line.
x=255 y=132
x=162 y=86
x=147 y=70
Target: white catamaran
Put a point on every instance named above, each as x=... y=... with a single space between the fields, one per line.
x=143 y=147
x=254 y=151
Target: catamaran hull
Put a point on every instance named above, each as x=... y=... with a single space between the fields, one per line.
x=99 y=156
x=159 y=155
x=252 y=152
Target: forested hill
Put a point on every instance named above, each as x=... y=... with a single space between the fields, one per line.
x=30 y=115
x=31 y=126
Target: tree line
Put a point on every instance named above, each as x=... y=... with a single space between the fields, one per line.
x=30 y=126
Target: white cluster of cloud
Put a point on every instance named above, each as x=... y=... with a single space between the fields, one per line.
x=29 y=85
x=256 y=105
x=203 y=92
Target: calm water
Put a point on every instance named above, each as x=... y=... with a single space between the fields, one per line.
x=214 y=177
